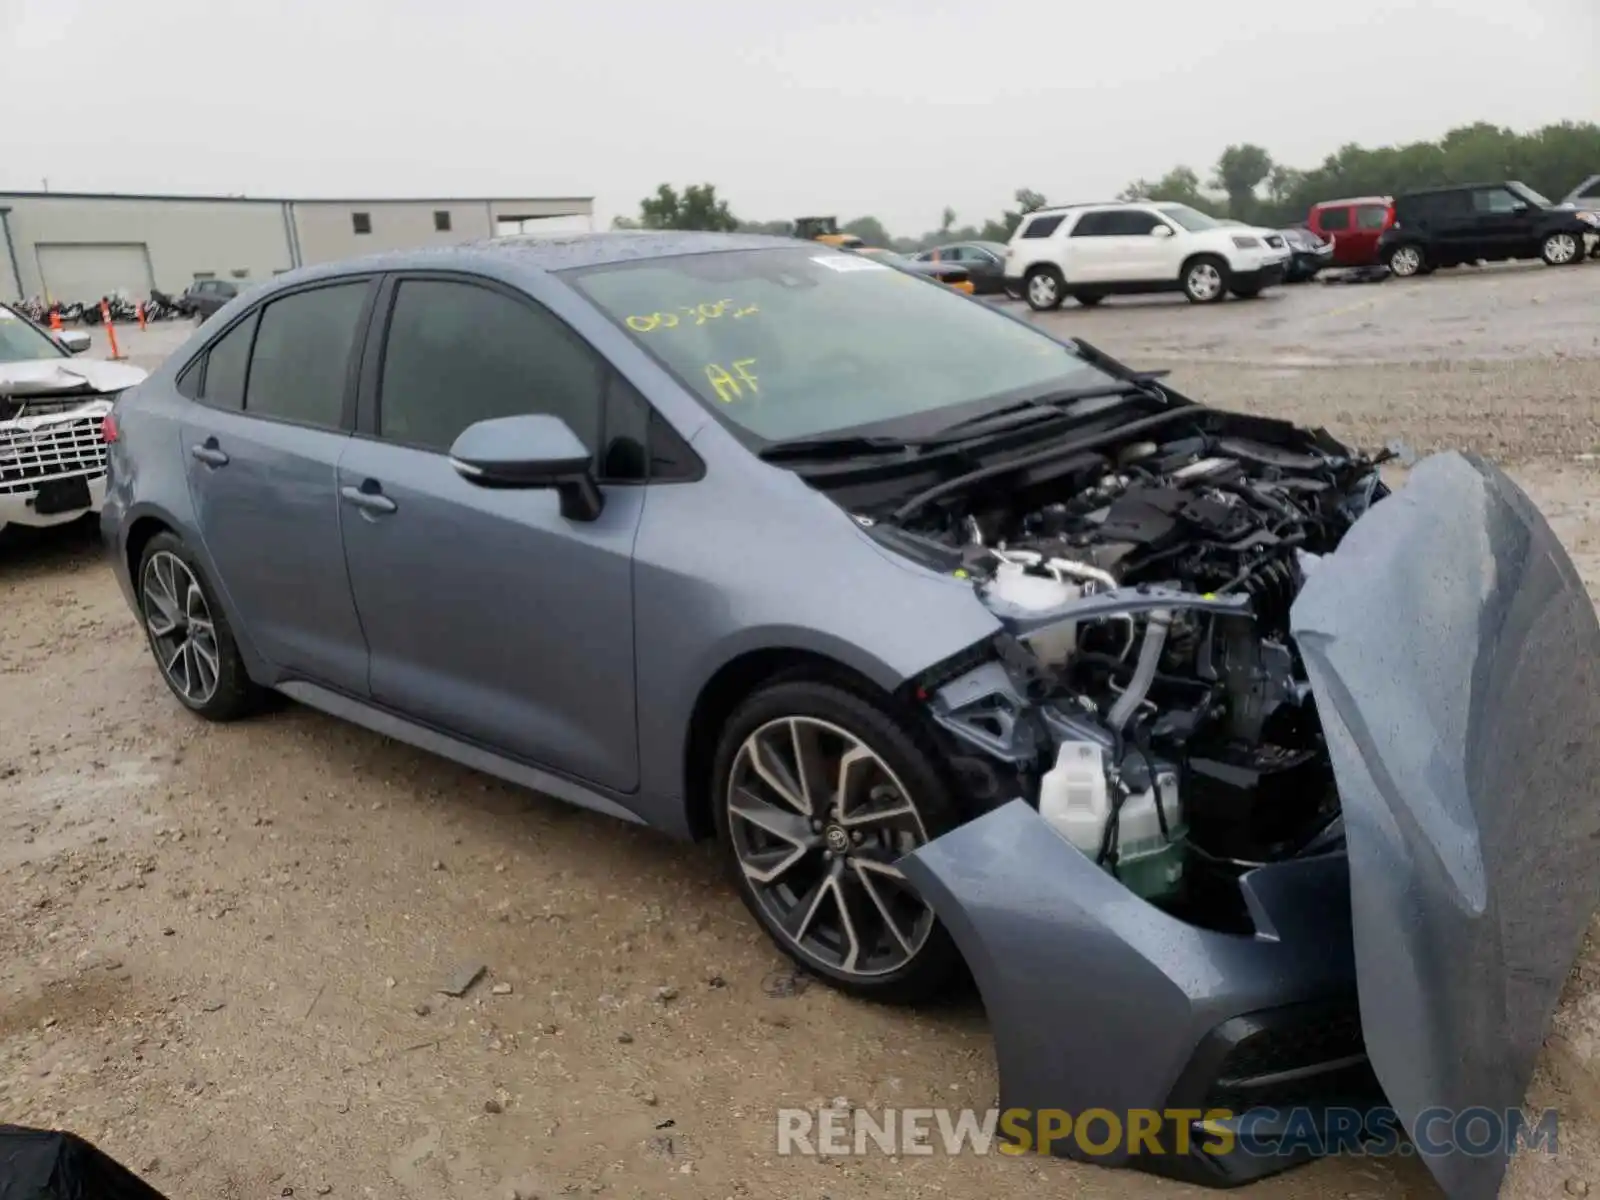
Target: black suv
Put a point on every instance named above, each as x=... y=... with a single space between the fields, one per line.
x=1491 y=222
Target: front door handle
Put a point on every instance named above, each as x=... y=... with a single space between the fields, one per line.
x=368 y=498
x=210 y=453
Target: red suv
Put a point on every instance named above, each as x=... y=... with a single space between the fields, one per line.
x=1353 y=227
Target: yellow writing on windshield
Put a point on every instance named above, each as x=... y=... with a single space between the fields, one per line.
x=693 y=314
x=733 y=385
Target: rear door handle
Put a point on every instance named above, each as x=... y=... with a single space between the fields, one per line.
x=369 y=499
x=210 y=453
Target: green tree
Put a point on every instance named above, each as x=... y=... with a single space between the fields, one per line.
x=1239 y=172
x=1178 y=186
x=869 y=229
x=697 y=208
x=1551 y=160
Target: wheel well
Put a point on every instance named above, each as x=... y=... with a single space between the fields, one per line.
x=139 y=537
x=1197 y=256
x=1041 y=267
x=725 y=691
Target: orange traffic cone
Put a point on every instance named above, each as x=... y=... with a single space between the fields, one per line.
x=138 y=311
x=55 y=318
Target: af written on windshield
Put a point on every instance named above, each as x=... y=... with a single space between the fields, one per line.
x=794 y=343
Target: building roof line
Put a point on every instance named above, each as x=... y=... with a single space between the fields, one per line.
x=298 y=199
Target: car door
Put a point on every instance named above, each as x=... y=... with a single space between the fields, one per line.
x=1085 y=251
x=1334 y=224
x=489 y=615
x=275 y=403
x=1140 y=254
x=984 y=266
x=1369 y=221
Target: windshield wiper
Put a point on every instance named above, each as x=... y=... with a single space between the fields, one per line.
x=1050 y=402
x=844 y=446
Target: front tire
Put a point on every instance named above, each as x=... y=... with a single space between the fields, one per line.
x=1088 y=299
x=819 y=790
x=189 y=635
x=1561 y=249
x=1205 y=280
x=1247 y=293
x=1044 y=289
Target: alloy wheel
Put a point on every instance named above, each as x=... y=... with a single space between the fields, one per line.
x=817 y=820
x=1406 y=261
x=1205 y=281
x=1042 y=289
x=180 y=626
x=1560 y=248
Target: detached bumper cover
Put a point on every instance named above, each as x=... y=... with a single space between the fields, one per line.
x=1455 y=659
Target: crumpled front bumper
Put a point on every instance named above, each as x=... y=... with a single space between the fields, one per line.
x=1455 y=659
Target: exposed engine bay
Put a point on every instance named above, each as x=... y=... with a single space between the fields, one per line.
x=1148 y=696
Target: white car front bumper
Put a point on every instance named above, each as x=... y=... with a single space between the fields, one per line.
x=53 y=466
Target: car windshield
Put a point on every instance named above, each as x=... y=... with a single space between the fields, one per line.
x=1533 y=197
x=795 y=343
x=1191 y=219
x=20 y=341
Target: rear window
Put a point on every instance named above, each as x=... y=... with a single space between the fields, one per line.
x=1334 y=218
x=1042 y=227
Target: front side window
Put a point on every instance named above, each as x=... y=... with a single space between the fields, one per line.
x=790 y=343
x=1496 y=200
x=301 y=365
x=458 y=353
x=22 y=342
x=1191 y=219
x=1132 y=222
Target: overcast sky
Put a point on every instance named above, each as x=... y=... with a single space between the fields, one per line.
x=890 y=107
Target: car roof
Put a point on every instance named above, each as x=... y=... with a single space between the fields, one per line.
x=557 y=252
x=1457 y=187
x=1350 y=200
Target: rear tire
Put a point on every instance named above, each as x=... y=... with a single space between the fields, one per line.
x=189 y=635
x=1205 y=279
x=810 y=858
x=1044 y=289
x=1247 y=293
x=1406 y=261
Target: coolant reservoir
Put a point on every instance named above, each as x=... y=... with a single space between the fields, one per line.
x=1015 y=586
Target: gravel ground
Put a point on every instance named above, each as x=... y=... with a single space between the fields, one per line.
x=225 y=945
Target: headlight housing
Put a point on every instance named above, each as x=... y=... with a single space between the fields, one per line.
x=1246 y=243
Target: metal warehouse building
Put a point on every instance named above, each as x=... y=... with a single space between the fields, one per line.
x=76 y=246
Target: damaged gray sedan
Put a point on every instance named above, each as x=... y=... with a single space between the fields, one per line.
x=1239 y=785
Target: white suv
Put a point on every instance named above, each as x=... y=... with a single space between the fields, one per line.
x=1091 y=251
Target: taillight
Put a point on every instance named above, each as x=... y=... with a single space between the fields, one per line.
x=108 y=428
x=1389 y=219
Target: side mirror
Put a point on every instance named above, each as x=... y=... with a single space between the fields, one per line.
x=74 y=341
x=536 y=451
x=1161 y=231
x=1519 y=208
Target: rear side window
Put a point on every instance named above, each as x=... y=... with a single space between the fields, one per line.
x=1334 y=218
x=1371 y=216
x=1042 y=227
x=301 y=365
x=229 y=358
x=1095 y=224
x=458 y=353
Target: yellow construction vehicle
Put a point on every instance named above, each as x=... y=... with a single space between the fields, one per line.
x=826 y=231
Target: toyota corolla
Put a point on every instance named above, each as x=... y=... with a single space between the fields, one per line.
x=1239 y=784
